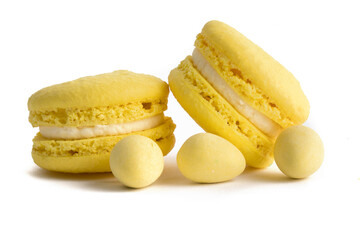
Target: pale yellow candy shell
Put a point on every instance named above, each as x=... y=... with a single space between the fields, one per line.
x=207 y=158
x=136 y=161
x=298 y=152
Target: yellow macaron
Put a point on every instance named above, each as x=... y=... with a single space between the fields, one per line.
x=233 y=88
x=81 y=121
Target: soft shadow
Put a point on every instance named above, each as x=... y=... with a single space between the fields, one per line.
x=171 y=175
x=108 y=185
x=49 y=175
x=268 y=175
x=104 y=182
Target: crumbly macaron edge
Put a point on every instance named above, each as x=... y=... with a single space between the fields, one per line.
x=186 y=76
x=91 y=116
x=252 y=64
x=98 y=145
x=95 y=163
x=240 y=84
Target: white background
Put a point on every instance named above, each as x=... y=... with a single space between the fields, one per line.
x=44 y=43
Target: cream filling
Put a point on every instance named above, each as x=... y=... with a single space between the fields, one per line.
x=101 y=130
x=258 y=119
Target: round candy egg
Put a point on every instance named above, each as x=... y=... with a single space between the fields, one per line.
x=208 y=158
x=298 y=151
x=136 y=161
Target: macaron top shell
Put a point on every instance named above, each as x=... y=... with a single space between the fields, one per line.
x=109 y=89
x=254 y=66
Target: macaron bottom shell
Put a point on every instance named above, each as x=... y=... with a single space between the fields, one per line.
x=95 y=161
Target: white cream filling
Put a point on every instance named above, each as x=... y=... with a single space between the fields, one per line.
x=262 y=122
x=101 y=130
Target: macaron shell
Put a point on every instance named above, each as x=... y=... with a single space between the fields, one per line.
x=91 y=116
x=89 y=164
x=255 y=66
x=92 y=155
x=99 y=90
x=215 y=115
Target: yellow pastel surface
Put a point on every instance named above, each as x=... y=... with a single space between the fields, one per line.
x=136 y=161
x=298 y=151
x=208 y=158
x=262 y=81
x=102 y=99
x=92 y=154
x=108 y=89
x=215 y=115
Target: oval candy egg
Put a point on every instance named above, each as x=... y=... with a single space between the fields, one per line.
x=208 y=158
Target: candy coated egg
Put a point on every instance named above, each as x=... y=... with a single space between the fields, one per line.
x=208 y=158
x=136 y=161
x=298 y=151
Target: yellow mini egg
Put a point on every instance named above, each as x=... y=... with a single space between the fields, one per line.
x=136 y=161
x=208 y=158
x=298 y=151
